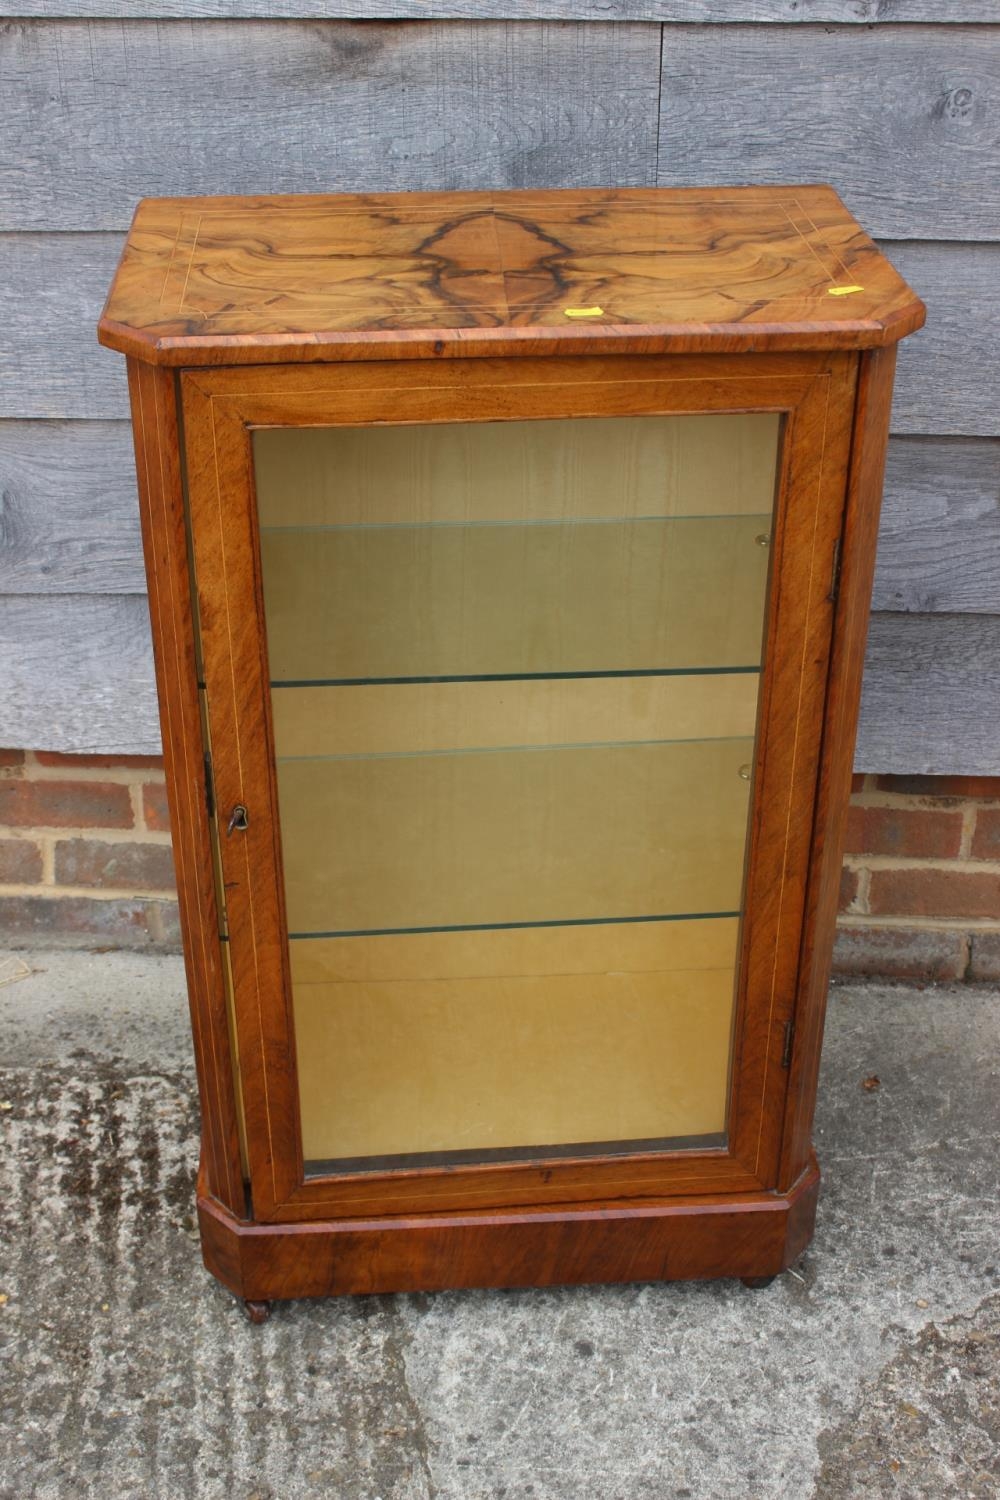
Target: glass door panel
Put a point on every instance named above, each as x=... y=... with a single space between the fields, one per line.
x=514 y=673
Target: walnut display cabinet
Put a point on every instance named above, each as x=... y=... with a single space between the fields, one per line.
x=509 y=563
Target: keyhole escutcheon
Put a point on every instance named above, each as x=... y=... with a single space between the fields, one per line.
x=239 y=819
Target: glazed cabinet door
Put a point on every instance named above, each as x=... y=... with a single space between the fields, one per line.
x=514 y=676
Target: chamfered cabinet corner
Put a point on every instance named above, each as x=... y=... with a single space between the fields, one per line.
x=509 y=609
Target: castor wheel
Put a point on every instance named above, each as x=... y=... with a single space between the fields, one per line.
x=757 y=1283
x=257 y=1312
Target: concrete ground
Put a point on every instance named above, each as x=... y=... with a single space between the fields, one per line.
x=870 y=1369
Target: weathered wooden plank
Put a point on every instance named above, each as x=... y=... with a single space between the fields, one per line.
x=52 y=363
x=901 y=120
x=76 y=674
x=931 y=697
x=939 y=542
x=848 y=12
x=438 y=105
x=98 y=114
x=949 y=379
x=69 y=519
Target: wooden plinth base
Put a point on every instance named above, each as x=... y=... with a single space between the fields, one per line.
x=750 y=1236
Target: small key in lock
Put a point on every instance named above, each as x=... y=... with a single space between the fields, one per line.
x=239 y=818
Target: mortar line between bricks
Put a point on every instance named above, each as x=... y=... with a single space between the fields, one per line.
x=902 y=922
x=936 y=862
x=154 y=921
x=920 y=802
x=117 y=775
x=135 y=797
x=968 y=829
x=100 y=835
x=90 y=892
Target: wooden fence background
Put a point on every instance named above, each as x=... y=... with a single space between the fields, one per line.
x=105 y=101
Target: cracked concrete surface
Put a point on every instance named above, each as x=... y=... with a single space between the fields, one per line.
x=928 y=1424
x=871 y=1368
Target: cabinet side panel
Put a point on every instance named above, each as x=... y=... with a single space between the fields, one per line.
x=161 y=504
x=857 y=568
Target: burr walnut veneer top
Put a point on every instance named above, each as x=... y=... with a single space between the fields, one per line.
x=722 y=270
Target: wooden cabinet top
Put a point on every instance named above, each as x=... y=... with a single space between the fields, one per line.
x=726 y=270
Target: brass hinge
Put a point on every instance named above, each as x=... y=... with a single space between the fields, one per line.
x=209 y=787
x=786 y=1051
x=835 y=573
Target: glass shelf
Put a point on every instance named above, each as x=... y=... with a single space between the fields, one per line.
x=393 y=603
x=513 y=836
x=515 y=672
x=379 y=719
x=336 y=682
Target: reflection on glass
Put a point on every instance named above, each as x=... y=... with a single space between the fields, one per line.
x=514 y=675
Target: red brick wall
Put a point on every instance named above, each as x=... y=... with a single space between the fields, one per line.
x=920 y=895
x=85 y=852
x=85 y=861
